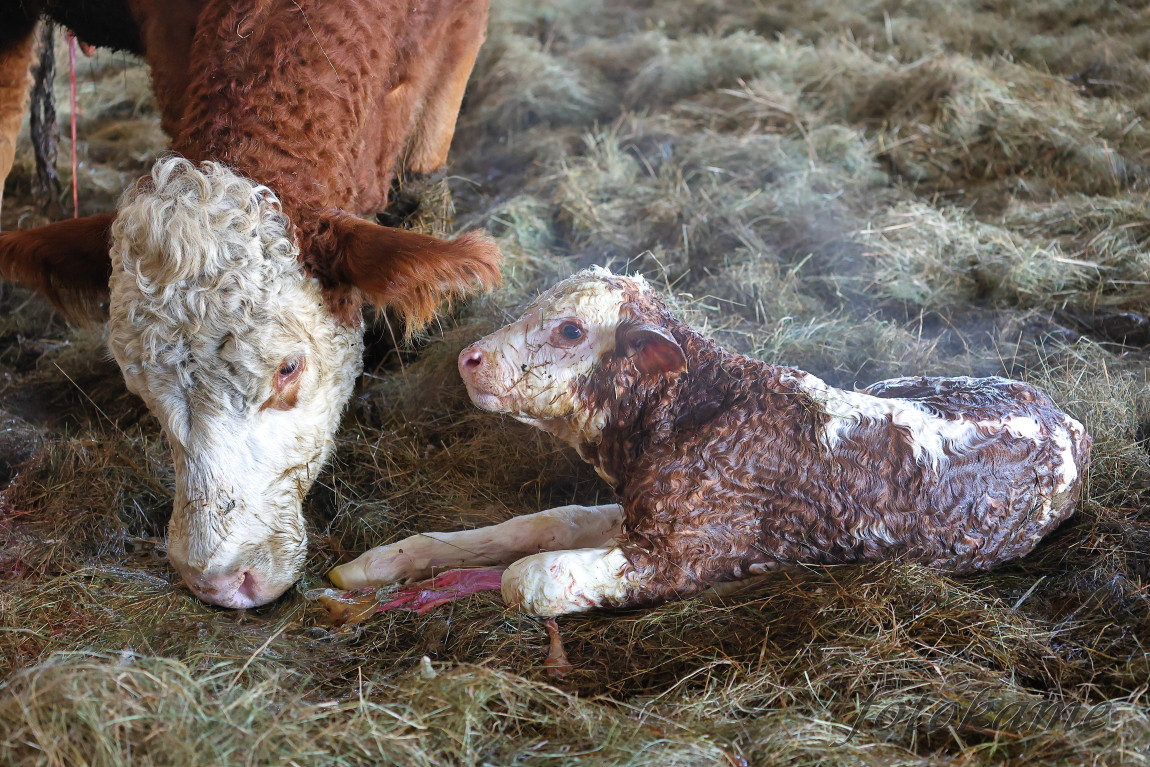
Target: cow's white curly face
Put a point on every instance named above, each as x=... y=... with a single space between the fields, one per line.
x=531 y=368
x=216 y=327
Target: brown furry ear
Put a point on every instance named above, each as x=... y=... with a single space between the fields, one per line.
x=411 y=272
x=66 y=261
x=654 y=350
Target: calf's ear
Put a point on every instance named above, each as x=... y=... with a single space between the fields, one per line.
x=66 y=261
x=654 y=350
x=410 y=272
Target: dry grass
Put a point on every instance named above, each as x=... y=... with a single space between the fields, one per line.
x=863 y=189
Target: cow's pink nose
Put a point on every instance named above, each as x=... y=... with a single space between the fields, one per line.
x=236 y=589
x=470 y=360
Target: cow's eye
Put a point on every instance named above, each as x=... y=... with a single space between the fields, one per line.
x=285 y=387
x=571 y=331
x=288 y=371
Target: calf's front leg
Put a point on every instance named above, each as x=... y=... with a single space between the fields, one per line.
x=419 y=556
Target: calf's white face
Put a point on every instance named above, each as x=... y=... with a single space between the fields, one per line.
x=530 y=369
x=216 y=327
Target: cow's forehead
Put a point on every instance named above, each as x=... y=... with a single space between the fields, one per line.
x=256 y=316
x=203 y=262
x=196 y=226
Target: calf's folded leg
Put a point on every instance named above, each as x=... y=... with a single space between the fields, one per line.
x=418 y=556
x=560 y=582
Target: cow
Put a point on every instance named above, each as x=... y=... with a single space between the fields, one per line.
x=233 y=275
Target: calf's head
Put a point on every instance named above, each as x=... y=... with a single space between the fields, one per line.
x=536 y=369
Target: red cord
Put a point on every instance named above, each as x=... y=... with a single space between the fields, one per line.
x=72 y=75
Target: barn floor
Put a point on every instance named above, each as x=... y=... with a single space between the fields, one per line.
x=861 y=188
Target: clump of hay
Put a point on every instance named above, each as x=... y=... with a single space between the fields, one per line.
x=935 y=258
x=1089 y=254
x=1013 y=129
x=681 y=68
x=96 y=710
x=527 y=85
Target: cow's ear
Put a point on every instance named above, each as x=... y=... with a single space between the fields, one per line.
x=409 y=272
x=66 y=261
x=654 y=350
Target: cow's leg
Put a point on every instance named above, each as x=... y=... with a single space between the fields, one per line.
x=419 y=556
x=435 y=126
x=17 y=43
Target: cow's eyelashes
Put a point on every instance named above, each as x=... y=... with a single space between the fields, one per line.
x=286 y=385
x=289 y=370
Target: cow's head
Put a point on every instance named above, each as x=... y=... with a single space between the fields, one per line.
x=218 y=330
x=236 y=350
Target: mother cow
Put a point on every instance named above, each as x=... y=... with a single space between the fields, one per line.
x=236 y=317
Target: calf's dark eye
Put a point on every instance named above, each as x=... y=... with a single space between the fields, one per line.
x=289 y=367
x=571 y=331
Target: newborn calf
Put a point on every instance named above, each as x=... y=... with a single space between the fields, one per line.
x=728 y=467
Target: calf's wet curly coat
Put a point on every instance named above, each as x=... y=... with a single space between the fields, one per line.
x=727 y=467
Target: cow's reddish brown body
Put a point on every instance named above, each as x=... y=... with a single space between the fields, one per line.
x=319 y=101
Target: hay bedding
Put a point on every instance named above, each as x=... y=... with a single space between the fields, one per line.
x=863 y=189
